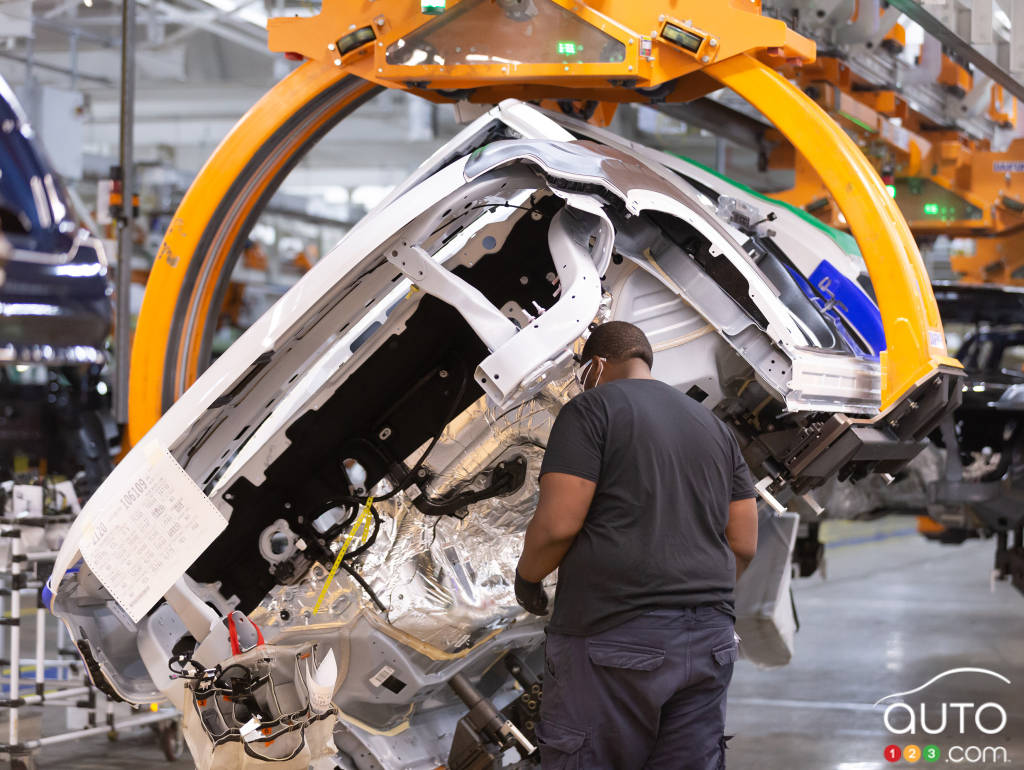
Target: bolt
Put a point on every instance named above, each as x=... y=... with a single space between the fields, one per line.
x=705 y=58
x=380 y=69
x=337 y=62
x=422 y=473
x=385 y=434
x=713 y=42
x=630 y=68
x=443 y=373
x=566 y=67
x=330 y=46
x=379 y=21
x=631 y=41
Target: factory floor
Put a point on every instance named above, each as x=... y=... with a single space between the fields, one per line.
x=893 y=612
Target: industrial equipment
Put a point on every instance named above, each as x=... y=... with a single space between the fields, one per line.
x=979 y=487
x=356 y=471
x=351 y=478
x=936 y=117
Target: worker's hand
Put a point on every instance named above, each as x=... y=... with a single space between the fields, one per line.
x=531 y=596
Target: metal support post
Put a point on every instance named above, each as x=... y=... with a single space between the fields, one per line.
x=40 y=649
x=124 y=240
x=15 y=689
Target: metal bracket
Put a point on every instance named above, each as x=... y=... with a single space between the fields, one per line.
x=523 y=364
x=493 y=328
x=522 y=360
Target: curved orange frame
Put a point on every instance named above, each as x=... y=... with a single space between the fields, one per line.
x=916 y=346
x=915 y=343
x=178 y=250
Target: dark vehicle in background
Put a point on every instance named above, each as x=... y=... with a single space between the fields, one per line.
x=981 y=487
x=55 y=317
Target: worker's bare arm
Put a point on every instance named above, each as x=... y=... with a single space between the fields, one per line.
x=561 y=510
x=741 y=532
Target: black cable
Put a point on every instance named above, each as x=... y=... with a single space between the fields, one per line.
x=361 y=501
x=395 y=490
x=401 y=485
x=365 y=586
x=370 y=541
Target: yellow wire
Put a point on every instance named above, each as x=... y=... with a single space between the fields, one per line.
x=363 y=518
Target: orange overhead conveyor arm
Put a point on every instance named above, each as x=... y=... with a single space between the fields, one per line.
x=194 y=262
x=913 y=330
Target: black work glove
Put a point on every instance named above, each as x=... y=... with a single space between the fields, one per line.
x=531 y=596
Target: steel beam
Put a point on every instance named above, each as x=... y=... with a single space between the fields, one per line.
x=722 y=121
x=60 y=70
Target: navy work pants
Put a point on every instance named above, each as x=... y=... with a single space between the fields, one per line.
x=649 y=693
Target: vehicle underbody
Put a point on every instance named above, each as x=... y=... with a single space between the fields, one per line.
x=387 y=418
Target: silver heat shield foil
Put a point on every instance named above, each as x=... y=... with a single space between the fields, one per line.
x=445 y=581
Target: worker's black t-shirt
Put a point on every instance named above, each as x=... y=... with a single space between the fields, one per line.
x=666 y=470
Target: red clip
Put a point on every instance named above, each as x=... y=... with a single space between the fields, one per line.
x=236 y=648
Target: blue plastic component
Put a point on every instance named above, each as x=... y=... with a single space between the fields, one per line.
x=47 y=594
x=842 y=299
x=852 y=302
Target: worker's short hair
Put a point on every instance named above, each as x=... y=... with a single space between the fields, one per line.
x=618 y=341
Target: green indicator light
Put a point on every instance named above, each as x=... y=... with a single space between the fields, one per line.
x=931 y=209
x=892 y=190
x=569 y=48
x=432 y=7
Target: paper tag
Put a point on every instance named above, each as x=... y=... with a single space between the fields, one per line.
x=250 y=731
x=150 y=528
x=381 y=676
x=320 y=683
